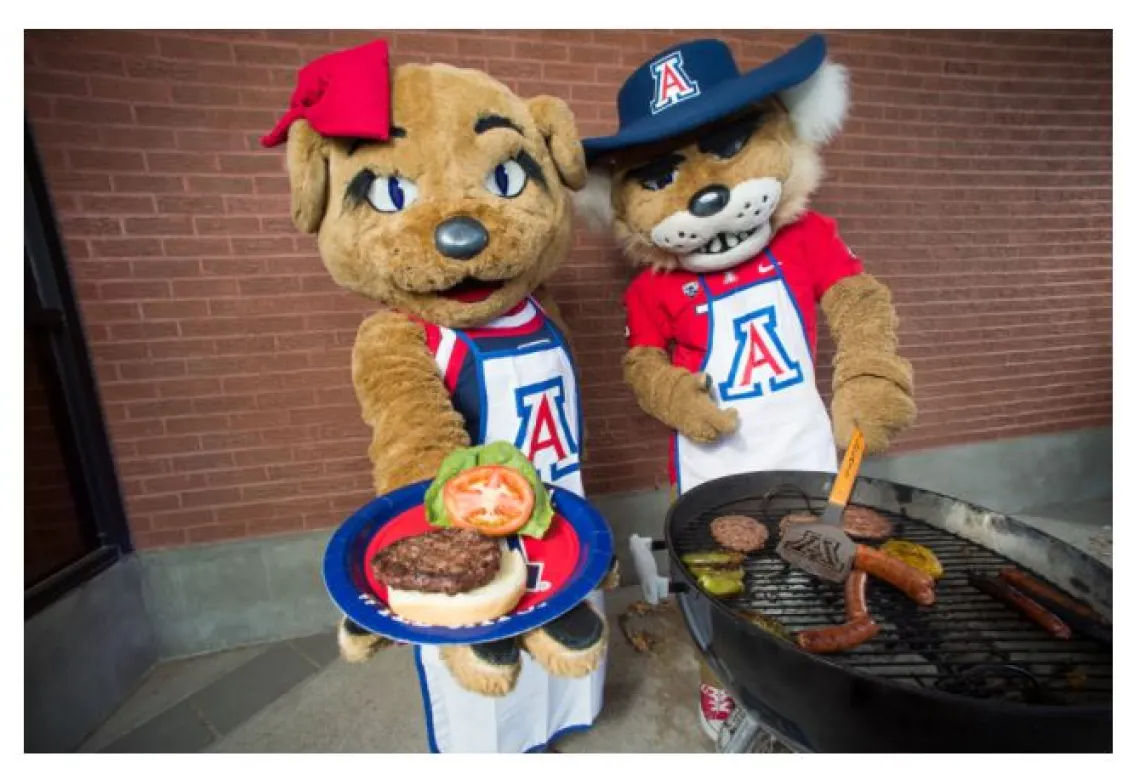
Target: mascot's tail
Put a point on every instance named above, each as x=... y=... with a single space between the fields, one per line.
x=357 y=644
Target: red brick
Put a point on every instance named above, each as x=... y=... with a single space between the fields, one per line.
x=126 y=247
x=129 y=90
x=134 y=290
x=271 y=185
x=147 y=183
x=81 y=226
x=181 y=162
x=436 y=44
x=194 y=48
x=69 y=61
x=210 y=140
x=195 y=247
x=226 y=225
x=191 y=204
x=250 y=163
x=204 y=94
x=48 y=83
x=259 y=54
x=174 y=309
x=117 y=204
x=160 y=539
x=233 y=185
x=117 y=161
x=159 y=225
x=215 y=533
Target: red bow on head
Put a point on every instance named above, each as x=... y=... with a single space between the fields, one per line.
x=345 y=94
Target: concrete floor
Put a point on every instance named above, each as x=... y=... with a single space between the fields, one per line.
x=299 y=696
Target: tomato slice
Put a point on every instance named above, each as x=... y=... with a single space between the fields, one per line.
x=491 y=499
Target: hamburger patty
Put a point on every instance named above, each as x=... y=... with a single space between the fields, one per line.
x=739 y=533
x=447 y=561
x=859 y=522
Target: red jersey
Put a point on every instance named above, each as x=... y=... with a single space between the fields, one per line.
x=667 y=310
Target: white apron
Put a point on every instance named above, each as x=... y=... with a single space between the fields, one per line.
x=528 y=396
x=761 y=365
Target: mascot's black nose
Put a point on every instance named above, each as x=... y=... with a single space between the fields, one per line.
x=461 y=238
x=709 y=201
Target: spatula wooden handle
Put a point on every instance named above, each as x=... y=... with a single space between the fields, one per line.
x=848 y=470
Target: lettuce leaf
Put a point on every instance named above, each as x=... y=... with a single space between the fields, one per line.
x=495 y=453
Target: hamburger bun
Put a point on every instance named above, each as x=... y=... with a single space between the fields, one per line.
x=490 y=601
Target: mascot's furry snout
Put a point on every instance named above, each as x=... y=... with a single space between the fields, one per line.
x=721 y=225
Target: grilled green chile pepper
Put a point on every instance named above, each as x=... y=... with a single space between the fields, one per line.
x=712 y=558
x=720 y=573
x=721 y=586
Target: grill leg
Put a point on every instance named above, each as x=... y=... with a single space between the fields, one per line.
x=742 y=734
x=737 y=734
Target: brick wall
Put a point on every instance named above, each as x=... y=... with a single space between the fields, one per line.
x=974 y=176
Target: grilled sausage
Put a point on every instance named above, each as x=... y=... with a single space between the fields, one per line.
x=855 y=594
x=917 y=585
x=1042 y=591
x=837 y=638
x=1026 y=605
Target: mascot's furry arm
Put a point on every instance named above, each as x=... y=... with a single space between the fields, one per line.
x=872 y=385
x=404 y=401
x=675 y=396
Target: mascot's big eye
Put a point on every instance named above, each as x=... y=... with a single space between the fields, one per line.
x=660 y=180
x=730 y=147
x=392 y=193
x=506 y=180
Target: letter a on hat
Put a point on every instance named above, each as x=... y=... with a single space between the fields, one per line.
x=671 y=84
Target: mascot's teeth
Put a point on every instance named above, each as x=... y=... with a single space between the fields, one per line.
x=725 y=241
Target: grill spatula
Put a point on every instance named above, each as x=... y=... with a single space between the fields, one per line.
x=822 y=548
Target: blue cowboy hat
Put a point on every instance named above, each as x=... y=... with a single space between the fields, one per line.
x=696 y=83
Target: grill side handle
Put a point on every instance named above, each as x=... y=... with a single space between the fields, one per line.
x=655 y=588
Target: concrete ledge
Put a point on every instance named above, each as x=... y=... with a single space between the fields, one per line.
x=83 y=656
x=219 y=596
x=208 y=598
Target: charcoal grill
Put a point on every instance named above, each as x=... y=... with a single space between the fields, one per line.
x=965 y=675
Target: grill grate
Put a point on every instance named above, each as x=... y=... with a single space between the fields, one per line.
x=966 y=643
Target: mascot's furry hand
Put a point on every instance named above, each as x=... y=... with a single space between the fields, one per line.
x=881 y=408
x=873 y=387
x=677 y=397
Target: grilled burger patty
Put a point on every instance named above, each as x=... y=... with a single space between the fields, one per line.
x=859 y=522
x=447 y=561
x=739 y=533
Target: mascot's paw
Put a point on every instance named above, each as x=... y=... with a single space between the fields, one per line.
x=571 y=646
x=485 y=669
x=881 y=407
x=357 y=644
x=701 y=420
x=613 y=578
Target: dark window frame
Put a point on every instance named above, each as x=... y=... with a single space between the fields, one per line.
x=52 y=321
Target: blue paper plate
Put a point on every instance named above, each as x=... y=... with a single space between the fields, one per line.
x=347 y=578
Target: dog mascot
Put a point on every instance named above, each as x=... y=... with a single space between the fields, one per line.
x=445 y=198
x=706 y=187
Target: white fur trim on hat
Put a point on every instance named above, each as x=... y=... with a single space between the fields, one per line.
x=594 y=201
x=818 y=106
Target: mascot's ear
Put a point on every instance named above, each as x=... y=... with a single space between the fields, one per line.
x=594 y=202
x=556 y=123
x=818 y=106
x=308 y=162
